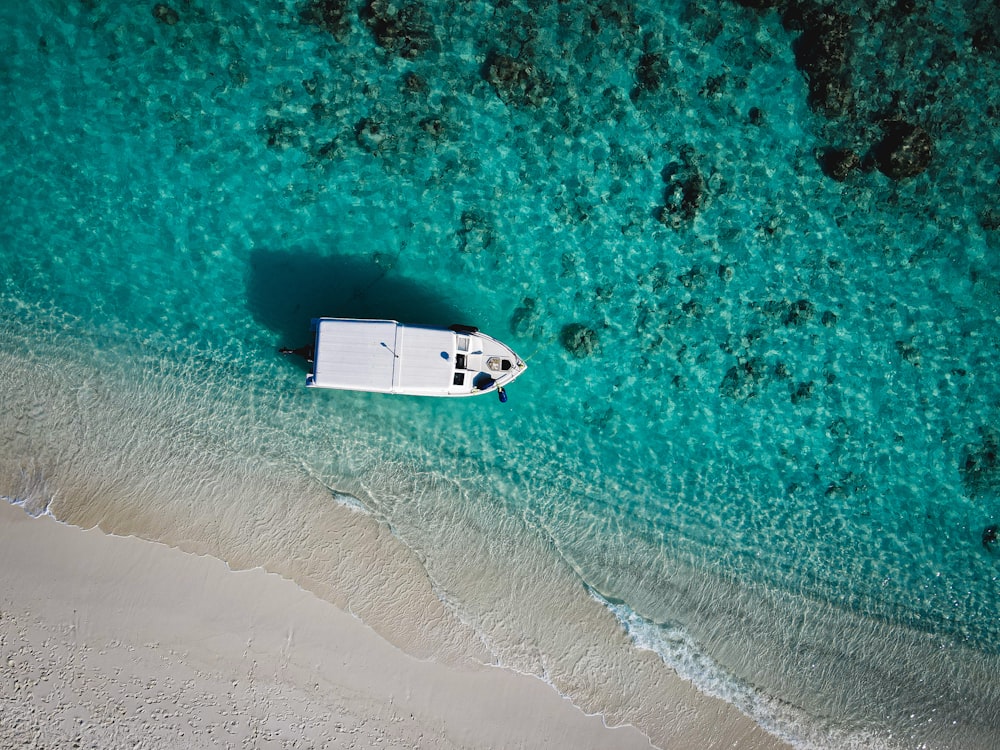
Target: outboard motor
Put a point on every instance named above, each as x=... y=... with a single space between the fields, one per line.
x=502 y=394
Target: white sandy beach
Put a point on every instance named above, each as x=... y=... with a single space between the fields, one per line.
x=116 y=642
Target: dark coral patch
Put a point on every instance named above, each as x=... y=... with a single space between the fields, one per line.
x=743 y=379
x=517 y=81
x=799 y=313
x=980 y=466
x=526 y=317
x=476 y=233
x=648 y=74
x=685 y=192
x=822 y=52
x=579 y=340
x=802 y=392
x=905 y=150
x=165 y=14
x=328 y=15
x=404 y=30
x=839 y=163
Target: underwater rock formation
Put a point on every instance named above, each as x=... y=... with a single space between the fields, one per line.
x=760 y=4
x=799 y=313
x=909 y=352
x=476 y=233
x=517 y=81
x=370 y=134
x=282 y=133
x=692 y=279
x=822 y=52
x=990 y=535
x=904 y=151
x=743 y=379
x=986 y=35
x=796 y=313
x=328 y=15
x=578 y=339
x=404 y=30
x=980 y=467
x=525 y=318
x=648 y=75
x=802 y=392
x=415 y=84
x=839 y=163
x=685 y=191
x=165 y=14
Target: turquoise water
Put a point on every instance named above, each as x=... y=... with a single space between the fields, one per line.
x=775 y=466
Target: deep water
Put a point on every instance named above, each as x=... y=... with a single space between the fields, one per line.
x=776 y=456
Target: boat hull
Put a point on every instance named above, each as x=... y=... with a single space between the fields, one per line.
x=385 y=356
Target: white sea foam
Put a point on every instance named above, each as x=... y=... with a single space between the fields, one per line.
x=681 y=654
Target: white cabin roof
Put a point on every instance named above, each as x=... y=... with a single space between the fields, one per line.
x=386 y=357
x=426 y=359
x=355 y=354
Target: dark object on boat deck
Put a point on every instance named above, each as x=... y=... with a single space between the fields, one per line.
x=990 y=536
x=502 y=394
x=459 y=328
x=306 y=352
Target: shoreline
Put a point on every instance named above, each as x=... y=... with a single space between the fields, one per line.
x=111 y=639
x=424 y=595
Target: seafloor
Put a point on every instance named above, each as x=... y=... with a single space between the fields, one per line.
x=749 y=252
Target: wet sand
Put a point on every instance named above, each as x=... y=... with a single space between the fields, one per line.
x=117 y=642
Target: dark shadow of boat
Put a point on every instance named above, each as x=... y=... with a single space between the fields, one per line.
x=286 y=289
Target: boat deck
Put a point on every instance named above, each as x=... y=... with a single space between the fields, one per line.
x=384 y=356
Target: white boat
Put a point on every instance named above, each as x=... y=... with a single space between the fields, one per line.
x=384 y=356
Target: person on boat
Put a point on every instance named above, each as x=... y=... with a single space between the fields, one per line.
x=306 y=352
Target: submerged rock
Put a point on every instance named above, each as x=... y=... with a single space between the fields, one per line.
x=579 y=340
x=980 y=467
x=415 y=84
x=282 y=133
x=905 y=150
x=517 y=81
x=685 y=191
x=328 y=15
x=525 y=318
x=648 y=75
x=433 y=126
x=656 y=277
x=692 y=279
x=802 y=392
x=839 y=163
x=405 y=30
x=986 y=38
x=760 y=4
x=822 y=53
x=909 y=352
x=476 y=233
x=799 y=313
x=370 y=135
x=165 y=14
x=649 y=72
x=990 y=535
x=743 y=379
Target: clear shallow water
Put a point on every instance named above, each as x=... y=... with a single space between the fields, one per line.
x=769 y=494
